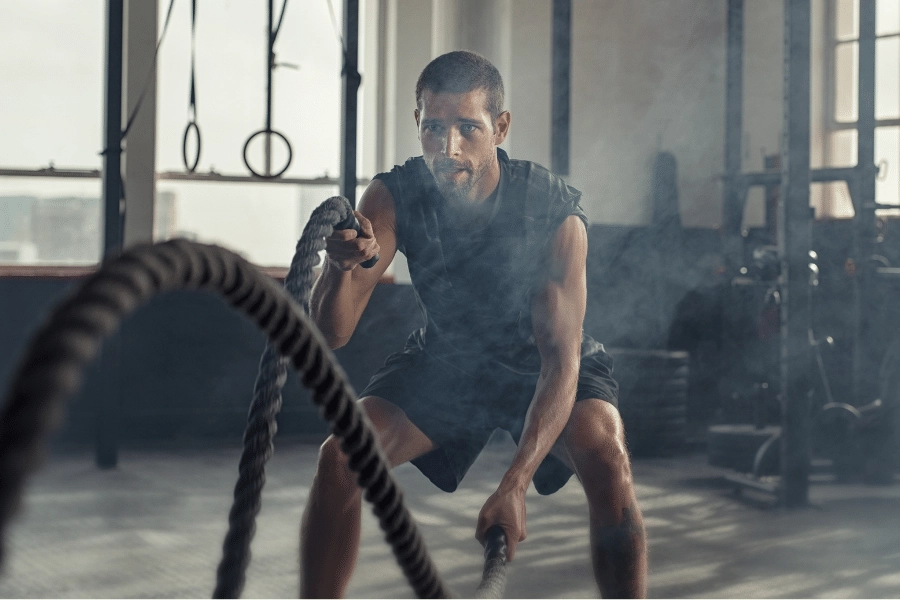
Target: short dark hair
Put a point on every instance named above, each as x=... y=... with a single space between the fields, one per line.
x=459 y=72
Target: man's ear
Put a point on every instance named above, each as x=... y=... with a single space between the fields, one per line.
x=416 y=115
x=501 y=127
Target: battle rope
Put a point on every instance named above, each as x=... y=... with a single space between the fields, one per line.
x=334 y=213
x=493 y=580
x=51 y=369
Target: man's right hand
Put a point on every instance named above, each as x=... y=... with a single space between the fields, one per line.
x=345 y=249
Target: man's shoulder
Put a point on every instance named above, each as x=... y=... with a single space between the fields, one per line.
x=546 y=197
x=540 y=179
x=412 y=166
x=405 y=181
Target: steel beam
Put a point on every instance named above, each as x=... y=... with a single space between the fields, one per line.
x=561 y=87
x=827 y=174
x=139 y=165
x=795 y=242
x=350 y=90
x=109 y=402
x=734 y=196
x=865 y=358
x=112 y=155
x=54 y=173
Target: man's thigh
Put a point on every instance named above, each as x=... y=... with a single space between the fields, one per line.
x=399 y=438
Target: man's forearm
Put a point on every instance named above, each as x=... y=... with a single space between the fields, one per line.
x=333 y=306
x=547 y=416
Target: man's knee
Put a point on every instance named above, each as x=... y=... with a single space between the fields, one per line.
x=595 y=442
x=332 y=468
x=333 y=462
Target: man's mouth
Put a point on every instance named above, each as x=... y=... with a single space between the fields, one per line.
x=451 y=168
x=452 y=173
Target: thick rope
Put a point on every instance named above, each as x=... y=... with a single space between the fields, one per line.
x=53 y=364
x=493 y=579
x=267 y=402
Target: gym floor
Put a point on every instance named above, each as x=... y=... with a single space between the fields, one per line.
x=153 y=527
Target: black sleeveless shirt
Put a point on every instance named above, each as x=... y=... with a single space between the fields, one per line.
x=475 y=286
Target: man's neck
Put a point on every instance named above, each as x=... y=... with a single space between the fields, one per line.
x=488 y=185
x=471 y=214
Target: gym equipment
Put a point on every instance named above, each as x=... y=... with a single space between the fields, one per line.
x=192 y=126
x=267 y=131
x=653 y=387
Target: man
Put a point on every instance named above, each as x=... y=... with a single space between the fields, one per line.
x=496 y=251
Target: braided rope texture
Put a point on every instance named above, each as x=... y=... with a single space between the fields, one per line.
x=52 y=366
x=265 y=406
x=493 y=579
x=261 y=429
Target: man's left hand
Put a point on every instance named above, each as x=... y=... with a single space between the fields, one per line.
x=505 y=507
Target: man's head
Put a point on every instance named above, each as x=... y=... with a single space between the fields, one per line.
x=460 y=116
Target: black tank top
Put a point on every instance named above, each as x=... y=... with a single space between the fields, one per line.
x=475 y=286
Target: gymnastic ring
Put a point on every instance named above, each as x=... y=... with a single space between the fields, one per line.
x=290 y=151
x=191 y=167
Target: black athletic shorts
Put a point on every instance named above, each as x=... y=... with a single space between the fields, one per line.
x=459 y=409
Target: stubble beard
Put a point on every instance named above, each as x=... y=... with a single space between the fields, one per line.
x=459 y=193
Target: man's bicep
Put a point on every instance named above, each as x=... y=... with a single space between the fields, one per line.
x=559 y=307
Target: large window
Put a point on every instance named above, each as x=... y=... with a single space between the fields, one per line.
x=260 y=220
x=53 y=60
x=843 y=112
x=51 y=110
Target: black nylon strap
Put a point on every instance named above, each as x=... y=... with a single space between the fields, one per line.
x=193 y=100
x=192 y=125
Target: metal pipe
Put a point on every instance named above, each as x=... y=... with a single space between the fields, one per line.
x=52 y=173
x=795 y=241
x=774 y=177
x=112 y=155
x=561 y=87
x=108 y=403
x=734 y=194
x=865 y=362
x=350 y=92
x=734 y=87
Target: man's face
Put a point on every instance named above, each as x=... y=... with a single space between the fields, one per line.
x=459 y=139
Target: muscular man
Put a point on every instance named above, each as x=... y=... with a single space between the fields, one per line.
x=496 y=250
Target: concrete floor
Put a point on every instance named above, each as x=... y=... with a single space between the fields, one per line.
x=154 y=528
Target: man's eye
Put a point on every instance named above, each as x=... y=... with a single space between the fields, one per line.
x=432 y=127
x=467 y=128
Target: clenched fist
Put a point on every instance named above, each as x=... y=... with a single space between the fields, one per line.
x=345 y=249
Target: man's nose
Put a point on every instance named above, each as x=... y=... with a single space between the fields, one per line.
x=451 y=143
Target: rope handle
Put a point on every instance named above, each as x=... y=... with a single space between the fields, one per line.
x=493 y=580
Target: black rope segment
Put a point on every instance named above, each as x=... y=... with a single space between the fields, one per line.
x=334 y=213
x=493 y=580
x=52 y=369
